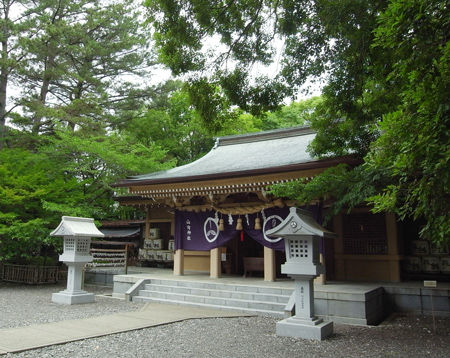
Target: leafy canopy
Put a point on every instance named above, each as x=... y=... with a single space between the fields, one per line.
x=386 y=68
x=61 y=143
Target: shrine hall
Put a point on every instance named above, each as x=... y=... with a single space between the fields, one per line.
x=217 y=209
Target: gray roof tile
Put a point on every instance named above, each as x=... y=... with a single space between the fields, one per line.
x=244 y=153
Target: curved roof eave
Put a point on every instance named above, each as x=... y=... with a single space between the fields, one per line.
x=325 y=163
x=281 y=150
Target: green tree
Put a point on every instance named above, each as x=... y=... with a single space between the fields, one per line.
x=319 y=37
x=80 y=57
x=406 y=167
x=414 y=147
x=386 y=95
x=71 y=174
x=172 y=123
x=67 y=145
x=12 y=31
x=96 y=162
x=294 y=114
x=26 y=178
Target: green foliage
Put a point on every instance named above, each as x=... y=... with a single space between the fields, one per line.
x=211 y=104
x=77 y=55
x=294 y=114
x=406 y=151
x=94 y=163
x=318 y=36
x=171 y=124
x=343 y=186
x=415 y=143
x=72 y=61
x=71 y=174
x=25 y=180
x=183 y=30
x=175 y=125
x=386 y=95
x=181 y=26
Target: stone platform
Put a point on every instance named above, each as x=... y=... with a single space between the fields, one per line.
x=341 y=303
x=73 y=298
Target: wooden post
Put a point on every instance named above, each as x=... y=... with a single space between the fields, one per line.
x=320 y=280
x=126 y=259
x=147 y=225
x=392 y=241
x=178 y=263
x=269 y=264
x=215 y=263
x=339 y=248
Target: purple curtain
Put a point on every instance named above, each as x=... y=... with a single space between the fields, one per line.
x=200 y=231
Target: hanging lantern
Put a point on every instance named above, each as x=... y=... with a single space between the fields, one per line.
x=239 y=224
x=257 y=224
x=221 y=225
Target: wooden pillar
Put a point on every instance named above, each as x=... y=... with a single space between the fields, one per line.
x=147 y=224
x=215 y=263
x=178 y=263
x=320 y=280
x=269 y=264
x=392 y=243
x=172 y=227
x=339 y=247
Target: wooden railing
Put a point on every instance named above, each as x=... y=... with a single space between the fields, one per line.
x=29 y=274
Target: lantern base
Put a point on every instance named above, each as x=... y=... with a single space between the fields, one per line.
x=73 y=298
x=301 y=328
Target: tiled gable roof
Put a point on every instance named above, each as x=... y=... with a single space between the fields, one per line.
x=241 y=155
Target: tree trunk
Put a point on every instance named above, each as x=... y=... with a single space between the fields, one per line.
x=4 y=74
x=3 y=86
x=37 y=118
x=49 y=64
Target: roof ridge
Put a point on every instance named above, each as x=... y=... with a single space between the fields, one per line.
x=263 y=136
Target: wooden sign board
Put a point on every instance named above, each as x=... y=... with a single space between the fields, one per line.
x=432 y=284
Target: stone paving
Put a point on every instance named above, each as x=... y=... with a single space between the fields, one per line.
x=47 y=334
x=26 y=306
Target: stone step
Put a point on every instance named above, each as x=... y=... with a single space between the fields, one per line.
x=224 y=286
x=214 y=300
x=360 y=304
x=200 y=304
x=227 y=293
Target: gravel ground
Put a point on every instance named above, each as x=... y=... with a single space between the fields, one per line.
x=400 y=336
x=24 y=305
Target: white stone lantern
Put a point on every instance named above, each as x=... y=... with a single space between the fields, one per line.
x=77 y=233
x=301 y=235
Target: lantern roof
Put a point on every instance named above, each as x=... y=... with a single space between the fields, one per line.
x=299 y=223
x=75 y=226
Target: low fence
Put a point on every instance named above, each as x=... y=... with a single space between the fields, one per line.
x=106 y=261
x=29 y=274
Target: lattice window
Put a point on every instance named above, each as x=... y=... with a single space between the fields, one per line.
x=365 y=234
x=83 y=245
x=298 y=248
x=69 y=244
